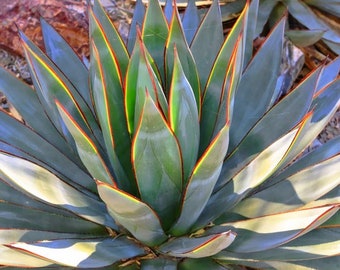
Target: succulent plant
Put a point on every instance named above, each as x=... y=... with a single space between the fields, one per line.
x=172 y=151
x=317 y=19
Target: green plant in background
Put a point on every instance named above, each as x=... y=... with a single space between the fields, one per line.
x=318 y=17
x=169 y=152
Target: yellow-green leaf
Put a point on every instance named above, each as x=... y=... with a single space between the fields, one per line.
x=136 y=216
x=87 y=150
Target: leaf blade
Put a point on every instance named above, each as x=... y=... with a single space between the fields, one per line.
x=202 y=182
x=46 y=187
x=97 y=252
x=184 y=117
x=199 y=247
x=128 y=211
x=87 y=149
x=158 y=172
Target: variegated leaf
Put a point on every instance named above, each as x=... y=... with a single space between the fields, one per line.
x=133 y=214
x=198 y=247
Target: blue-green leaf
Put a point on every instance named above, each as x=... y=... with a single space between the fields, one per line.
x=109 y=60
x=88 y=253
x=113 y=40
x=157 y=162
x=141 y=76
x=26 y=102
x=51 y=84
x=257 y=85
x=154 y=33
x=137 y=22
x=14 y=216
x=15 y=258
x=218 y=84
x=23 y=141
x=176 y=39
x=46 y=187
x=67 y=60
x=191 y=21
x=304 y=14
x=209 y=30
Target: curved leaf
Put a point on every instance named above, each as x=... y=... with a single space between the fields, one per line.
x=14 y=258
x=230 y=85
x=319 y=243
x=331 y=6
x=304 y=14
x=250 y=33
x=329 y=73
x=137 y=217
x=221 y=78
x=87 y=150
x=257 y=85
x=320 y=154
x=109 y=61
x=258 y=138
x=184 y=118
x=11 y=195
x=252 y=175
x=177 y=40
x=141 y=76
x=24 y=141
x=157 y=162
x=13 y=216
x=199 y=247
x=52 y=84
x=209 y=29
x=46 y=187
x=202 y=182
x=267 y=232
x=113 y=40
x=264 y=11
x=95 y=253
x=295 y=191
x=137 y=21
x=26 y=102
x=154 y=33
x=67 y=60
x=108 y=97
x=191 y=21
x=305 y=38
x=324 y=106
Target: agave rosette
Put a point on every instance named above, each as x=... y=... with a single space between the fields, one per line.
x=169 y=151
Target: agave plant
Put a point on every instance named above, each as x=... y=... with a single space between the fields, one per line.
x=172 y=151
